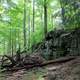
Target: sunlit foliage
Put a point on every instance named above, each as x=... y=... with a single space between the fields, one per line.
x=61 y=13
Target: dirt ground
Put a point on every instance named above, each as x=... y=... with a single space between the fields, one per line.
x=66 y=71
x=63 y=71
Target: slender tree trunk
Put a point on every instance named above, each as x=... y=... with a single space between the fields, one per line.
x=33 y=23
x=29 y=31
x=24 y=25
x=10 y=42
x=42 y=22
x=33 y=13
x=15 y=41
x=4 y=47
x=45 y=18
x=62 y=12
x=52 y=20
x=18 y=38
x=8 y=46
x=12 y=47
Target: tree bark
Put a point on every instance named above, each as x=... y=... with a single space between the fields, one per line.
x=45 y=18
x=33 y=24
x=24 y=25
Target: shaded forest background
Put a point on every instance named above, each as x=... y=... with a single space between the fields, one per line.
x=25 y=23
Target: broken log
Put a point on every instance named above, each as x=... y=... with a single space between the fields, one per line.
x=58 y=61
x=29 y=66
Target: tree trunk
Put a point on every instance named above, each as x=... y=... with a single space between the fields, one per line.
x=33 y=23
x=4 y=46
x=45 y=18
x=15 y=43
x=12 y=46
x=24 y=25
x=33 y=13
x=29 y=30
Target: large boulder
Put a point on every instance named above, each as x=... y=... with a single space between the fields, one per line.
x=60 y=43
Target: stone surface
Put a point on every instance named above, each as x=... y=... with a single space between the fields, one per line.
x=60 y=43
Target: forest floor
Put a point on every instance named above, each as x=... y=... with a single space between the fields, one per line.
x=66 y=71
x=61 y=71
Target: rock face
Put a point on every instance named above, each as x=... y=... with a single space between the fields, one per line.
x=60 y=43
x=67 y=71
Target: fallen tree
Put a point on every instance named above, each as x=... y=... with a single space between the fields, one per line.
x=31 y=62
